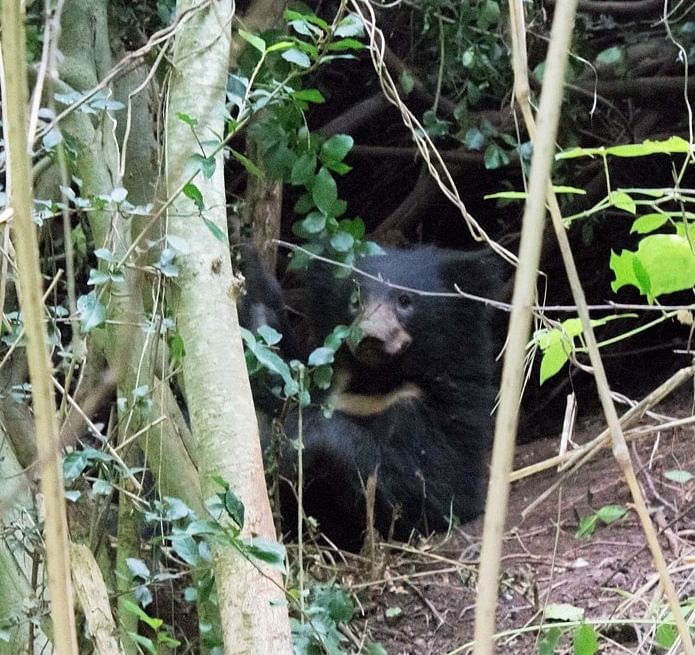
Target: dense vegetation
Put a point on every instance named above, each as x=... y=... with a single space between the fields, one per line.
x=319 y=129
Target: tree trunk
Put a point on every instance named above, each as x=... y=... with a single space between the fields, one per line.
x=254 y=616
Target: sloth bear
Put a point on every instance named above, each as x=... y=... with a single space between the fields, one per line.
x=411 y=401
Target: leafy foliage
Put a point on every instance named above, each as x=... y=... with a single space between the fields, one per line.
x=584 y=637
x=293 y=381
x=328 y=608
x=662 y=264
x=607 y=514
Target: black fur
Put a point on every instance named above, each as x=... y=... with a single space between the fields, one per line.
x=414 y=401
x=262 y=302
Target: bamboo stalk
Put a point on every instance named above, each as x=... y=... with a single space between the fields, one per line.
x=25 y=242
x=620 y=451
x=519 y=326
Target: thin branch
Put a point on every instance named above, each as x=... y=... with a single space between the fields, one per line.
x=574 y=459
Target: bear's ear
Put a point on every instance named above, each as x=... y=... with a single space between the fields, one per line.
x=482 y=273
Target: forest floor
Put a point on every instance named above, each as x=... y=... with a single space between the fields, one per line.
x=419 y=599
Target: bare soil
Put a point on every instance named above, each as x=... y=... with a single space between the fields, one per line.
x=420 y=598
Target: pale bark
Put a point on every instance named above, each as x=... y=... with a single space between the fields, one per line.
x=254 y=616
x=91 y=594
x=127 y=348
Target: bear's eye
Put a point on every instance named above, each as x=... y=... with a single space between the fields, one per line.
x=404 y=301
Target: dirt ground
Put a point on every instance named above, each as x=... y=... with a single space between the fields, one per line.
x=419 y=599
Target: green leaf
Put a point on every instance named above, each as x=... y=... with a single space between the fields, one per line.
x=351 y=25
x=355 y=227
x=557 y=345
x=611 y=513
x=176 y=348
x=314 y=223
x=393 y=612
x=186 y=548
x=305 y=28
x=216 y=231
x=560 y=188
x=321 y=356
x=494 y=157
x=191 y=191
x=407 y=81
x=143 y=641
x=304 y=204
x=335 y=339
x=680 y=477
x=562 y=612
x=672 y=145
x=666 y=635
x=296 y=56
x=308 y=18
x=548 y=644
x=73 y=464
x=642 y=276
x=105 y=255
x=468 y=59
x=488 y=14
x=648 y=223
x=256 y=41
x=233 y=506
x=102 y=488
x=474 y=139
x=554 y=359
x=336 y=148
x=273 y=363
x=434 y=126
x=309 y=95
x=323 y=376
x=338 y=208
x=334 y=599
x=663 y=263
x=138 y=568
x=585 y=640
x=268 y=552
x=119 y=194
x=269 y=335
x=143 y=616
x=97 y=277
x=622 y=200
x=506 y=195
x=92 y=312
x=250 y=167
x=587 y=527
x=611 y=56
x=342 y=241
x=280 y=45
x=338 y=167
x=206 y=165
x=303 y=169
x=185 y=118
x=473 y=92
x=324 y=190
x=345 y=44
